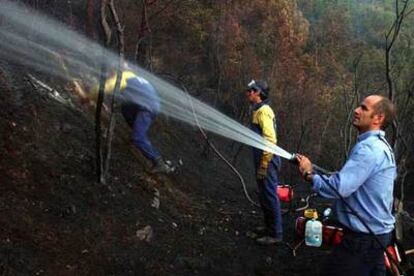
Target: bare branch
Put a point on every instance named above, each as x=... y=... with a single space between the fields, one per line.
x=99 y=103
x=112 y=122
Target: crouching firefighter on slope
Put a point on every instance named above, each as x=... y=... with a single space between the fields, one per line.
x=140 y=104
x=266 y=164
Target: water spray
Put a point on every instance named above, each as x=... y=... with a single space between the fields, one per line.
x=34 y=40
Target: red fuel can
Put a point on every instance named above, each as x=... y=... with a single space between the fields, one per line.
x=285 y=193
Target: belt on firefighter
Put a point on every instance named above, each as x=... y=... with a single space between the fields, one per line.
x=348 y=231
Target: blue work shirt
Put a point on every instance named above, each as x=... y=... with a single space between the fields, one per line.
x=135 y=91
x=141 y=93
x=366 y=182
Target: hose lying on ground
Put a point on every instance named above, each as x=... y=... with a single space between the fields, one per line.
x=218 y=152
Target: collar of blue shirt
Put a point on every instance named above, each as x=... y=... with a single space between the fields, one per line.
x=370 y=133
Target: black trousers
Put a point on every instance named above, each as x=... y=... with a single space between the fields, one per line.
x=358 y=254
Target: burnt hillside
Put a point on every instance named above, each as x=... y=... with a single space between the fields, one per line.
x=56 y=220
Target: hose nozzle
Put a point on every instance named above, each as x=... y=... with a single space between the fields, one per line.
x=293 y=159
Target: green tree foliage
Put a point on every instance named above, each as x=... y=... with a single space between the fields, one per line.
x=364 y=38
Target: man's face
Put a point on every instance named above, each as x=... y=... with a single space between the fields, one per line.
x=365 y=118
x=252 y=95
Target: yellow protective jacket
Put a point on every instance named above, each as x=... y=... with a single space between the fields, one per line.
x=134 y=90
x=264 y=123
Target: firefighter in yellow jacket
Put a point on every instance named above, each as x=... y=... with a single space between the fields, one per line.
x=140 y=104
x=266 y=164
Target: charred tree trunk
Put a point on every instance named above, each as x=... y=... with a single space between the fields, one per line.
x=141 y=46
x=70 y=11
x=350 y=103
x=399 y=143
x=91 y=19
x=390 y=39
x=103 y=148
x=99 y=103
x=112 y=122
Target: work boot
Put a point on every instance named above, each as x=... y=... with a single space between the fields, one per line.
x=162 y=166
x=267 y=240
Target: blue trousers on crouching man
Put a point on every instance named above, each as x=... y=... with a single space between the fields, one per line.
x=140 y=121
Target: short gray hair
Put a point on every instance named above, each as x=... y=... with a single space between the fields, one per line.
x=386 y=107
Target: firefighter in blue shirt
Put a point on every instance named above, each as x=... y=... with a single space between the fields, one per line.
x=366 y=183
x=266 y=164
x=140 y=104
